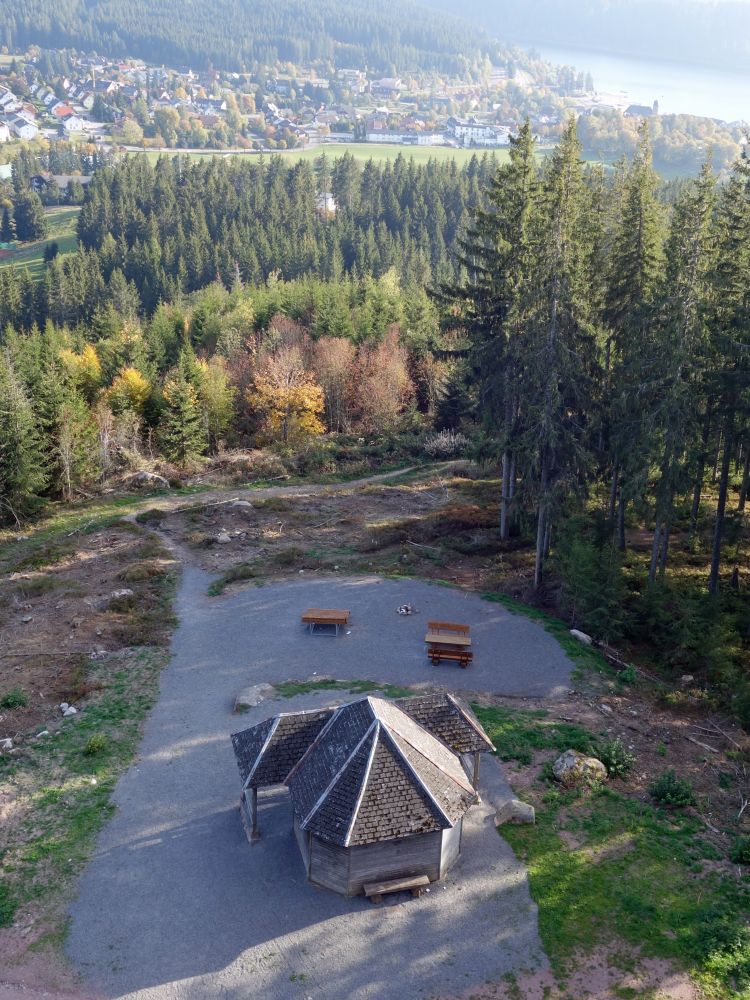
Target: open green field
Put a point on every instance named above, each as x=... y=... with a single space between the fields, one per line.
x=62 y=230
x=362 y=151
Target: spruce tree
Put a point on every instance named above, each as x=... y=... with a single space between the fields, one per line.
x=7 y=226
x=22 y=476
x=182 y=428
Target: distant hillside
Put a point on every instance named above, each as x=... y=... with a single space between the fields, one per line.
x=704 y=33
x=387 y=37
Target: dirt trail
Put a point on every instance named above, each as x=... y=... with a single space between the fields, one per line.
x=172 y=503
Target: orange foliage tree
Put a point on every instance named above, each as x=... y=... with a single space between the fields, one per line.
x=286 y=399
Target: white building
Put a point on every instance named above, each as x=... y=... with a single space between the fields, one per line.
x=4 y=132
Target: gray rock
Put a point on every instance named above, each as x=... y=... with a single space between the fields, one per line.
x=63 y=706
x=151 y=480
x=576 y=770
x=252 y=696
x=686 y=680
x=515 y=811
x=44 y=732
x=6 y=744
x=606 y=709
x=581 y=636
x=70 y=710
x=243 y=503
x=223 y=538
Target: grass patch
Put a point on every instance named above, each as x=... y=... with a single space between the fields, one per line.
x=86 y=757
x=15 y=698
x=61 y=222
x=290 y=689
x=242 y=571
x=635 y=879
x=517 y=734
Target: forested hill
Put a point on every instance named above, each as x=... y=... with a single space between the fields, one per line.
x=693 y=31
x=387 y=37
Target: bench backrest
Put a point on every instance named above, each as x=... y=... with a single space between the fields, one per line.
x=448 y=627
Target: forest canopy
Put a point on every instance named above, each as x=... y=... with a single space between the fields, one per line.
x=242 y=35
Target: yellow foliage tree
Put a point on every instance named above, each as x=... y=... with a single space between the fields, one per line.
x=286 y=399
x=129 y=391
x=85 y=369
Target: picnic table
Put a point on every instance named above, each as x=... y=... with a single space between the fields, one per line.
x=449 y=641
x=325 y=617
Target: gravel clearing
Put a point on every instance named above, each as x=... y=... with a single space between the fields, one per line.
x=176 y=904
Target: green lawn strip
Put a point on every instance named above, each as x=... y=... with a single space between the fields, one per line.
x=80 y=764
x=290 y=689
x=637 y=877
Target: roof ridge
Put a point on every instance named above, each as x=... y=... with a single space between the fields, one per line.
x=365 y=777
x=417 y=777
x=251 y=772
x=337 y=775
x=315 y=742
x=470 y=718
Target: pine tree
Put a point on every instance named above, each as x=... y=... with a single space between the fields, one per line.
x=182 y=428
x=7 y=226
x=22 y=476
x=28 y=212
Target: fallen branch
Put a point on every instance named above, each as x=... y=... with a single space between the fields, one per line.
x=726 y=736
x=699 y=744
x=201 y=506
x=82 y=528
x=743 y=805
x=419 y=545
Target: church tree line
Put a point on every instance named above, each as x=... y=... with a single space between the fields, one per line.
x=611 y=361
x=150 y=233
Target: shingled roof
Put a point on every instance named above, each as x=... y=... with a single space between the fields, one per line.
x=266 y=753
x=374 y=774
x=450 y=720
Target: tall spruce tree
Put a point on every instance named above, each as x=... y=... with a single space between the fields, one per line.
x=22 y=476
x=631 y=311
x=182 y=428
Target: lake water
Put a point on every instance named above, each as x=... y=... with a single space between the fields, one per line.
x=679 y=89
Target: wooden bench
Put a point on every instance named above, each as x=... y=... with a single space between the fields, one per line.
x=376 y=890
x=325 y=616
x=449 y=628
x=461 y=656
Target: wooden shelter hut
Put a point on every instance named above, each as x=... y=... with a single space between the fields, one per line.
x=377 y=787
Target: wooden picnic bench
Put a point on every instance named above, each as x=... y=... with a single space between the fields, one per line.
x=376 y=890
x=449 y=641
x=326 y=617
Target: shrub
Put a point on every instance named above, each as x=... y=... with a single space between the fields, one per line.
x=15 y=698
x=616 y=758
x=740 y=853
x=671 y=791
x=445 y=443
x=96 y=744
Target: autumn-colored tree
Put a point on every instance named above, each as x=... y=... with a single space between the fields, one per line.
x=286 y=399
x=216 y=396
x=333 y=362
x=85 y=369
x=381 y=390
x=129 y=391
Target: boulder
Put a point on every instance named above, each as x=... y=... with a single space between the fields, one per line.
x=6 y=744
x=686 y=680
x=581 y=636
x=147 y=480
x=70 y=710
x=223 y=538
x=243 y=504
x=252 y=696
x=515 y=811
x=576 y=770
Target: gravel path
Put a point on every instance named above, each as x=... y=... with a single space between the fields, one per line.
x=175 y=903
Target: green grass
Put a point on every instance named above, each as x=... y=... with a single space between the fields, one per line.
x=290 y=689
x=518 y=733
x=639 y=876
x=362 y=151
x=64 y=816
x=636 y=878
x=62 y=230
